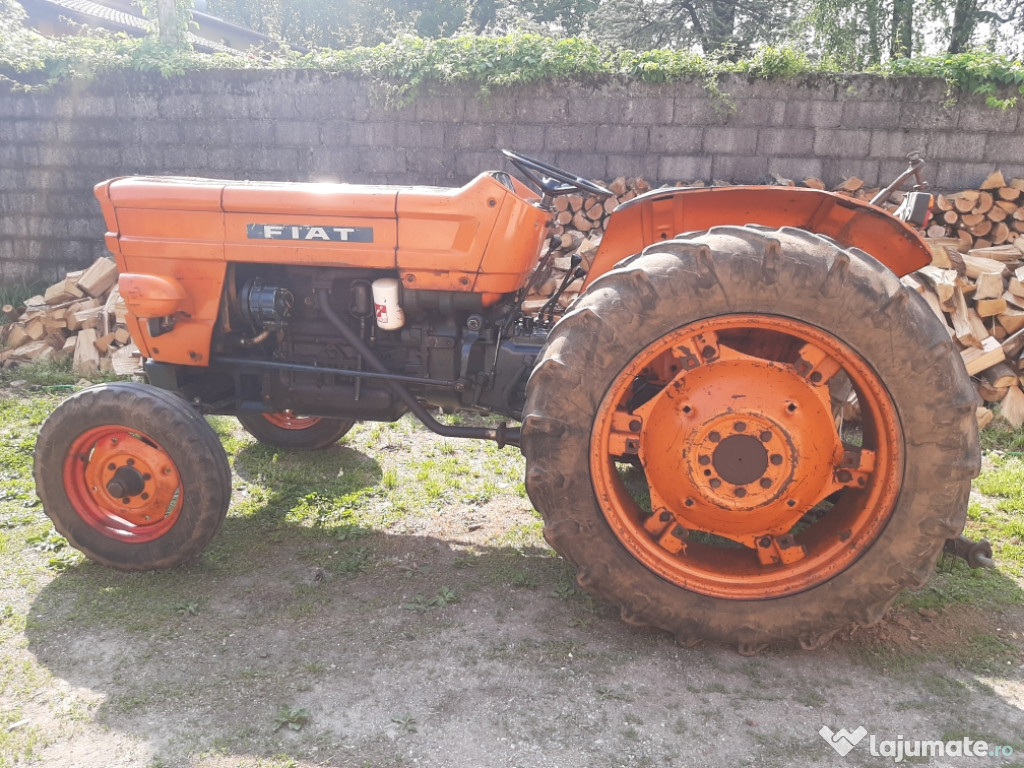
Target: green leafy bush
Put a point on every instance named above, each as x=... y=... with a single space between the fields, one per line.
x=408 y=64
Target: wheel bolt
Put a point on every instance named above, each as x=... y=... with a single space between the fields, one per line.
x=766 y=482
x=766 y=436
x=145 y=496
x=741 y=492
x=125 y=500
x=714 y=437
x=131 y=462
x=111 y=466
x=715 y=482
x=740 y=426
x=776 y=459
x=704 y=460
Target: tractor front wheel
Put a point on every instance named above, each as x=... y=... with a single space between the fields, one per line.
x=686 y=446
x=132 y=475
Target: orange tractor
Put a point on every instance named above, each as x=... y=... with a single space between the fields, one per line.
x=682 y=420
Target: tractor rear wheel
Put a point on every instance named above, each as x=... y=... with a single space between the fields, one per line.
x=685 y=443
x=297 y=433
x=132 y=475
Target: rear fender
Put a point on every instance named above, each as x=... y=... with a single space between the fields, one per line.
x=662 y=214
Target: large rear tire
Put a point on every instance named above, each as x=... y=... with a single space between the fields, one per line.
x=296 y=433
x=132 y=475
x=721 y=360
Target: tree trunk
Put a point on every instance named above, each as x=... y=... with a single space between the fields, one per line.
x=167 y=22
x=964 y=20
x=902 y=29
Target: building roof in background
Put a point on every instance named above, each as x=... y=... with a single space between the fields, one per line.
x=65 y=17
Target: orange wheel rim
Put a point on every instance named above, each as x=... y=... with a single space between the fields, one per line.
x=749 y=484
x=288 y=420
x=123 y=484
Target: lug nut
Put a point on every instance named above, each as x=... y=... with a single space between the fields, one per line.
x=776 y=459
x=740 y=426
x=715 y=482
x=703 y=460
x=766 y=436
x=714 y=437
x=766 y=482
x=741 y=492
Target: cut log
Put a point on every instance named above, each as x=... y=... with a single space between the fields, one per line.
x=10 y=312
x=99 y=278
x=976 y=265
x=977 y=360
x=997 y=214
x=1000 y=375
x=990 y=307
x=995 y=180
x=1012 y=320
x=981 y=229
x=1002 y=253
x=1000 y=233
x=966 y=200
x=943 y=282
x=1013 y=345
x=984 y=417
x=68 y=350
x=1008 y=193
x=967 y=332
x=850 y=185
x=1012 y=407
x=128 y=360
x=17 y=336
x=984 y=204
x=989 y=285
x=103 y=343
x=122 y=337
x=989 y=393
x=87 y=357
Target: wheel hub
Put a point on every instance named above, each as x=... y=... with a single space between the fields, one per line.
x=740 y=459
x=755 y=444
x=123 y=483
x=127 y=481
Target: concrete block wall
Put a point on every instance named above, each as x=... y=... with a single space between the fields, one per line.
x=306 y=125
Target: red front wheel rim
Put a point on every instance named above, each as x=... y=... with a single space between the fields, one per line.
x=123 y=483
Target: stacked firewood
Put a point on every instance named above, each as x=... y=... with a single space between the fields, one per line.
x=991 y=215
x=80 y=317
x=979 y=296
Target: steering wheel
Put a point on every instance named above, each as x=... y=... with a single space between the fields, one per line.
x=554 y=181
